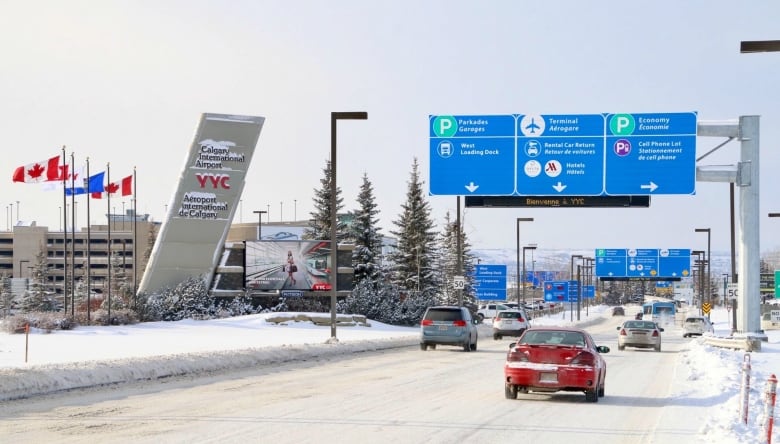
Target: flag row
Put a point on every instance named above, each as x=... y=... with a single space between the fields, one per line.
x=52 y=171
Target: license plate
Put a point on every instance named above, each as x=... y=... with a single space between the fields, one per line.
x=443 y=327
x=548 y=377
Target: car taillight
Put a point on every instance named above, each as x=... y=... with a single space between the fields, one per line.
x=459 y=323
x=622 y=332
x=427 y=322
x=520 y=319
x=584 y=358
x=655 y=333
x=517 y=356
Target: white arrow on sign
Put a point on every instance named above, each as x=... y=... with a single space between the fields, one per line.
x=560 y=187
x=651 y=186
x=471 y=187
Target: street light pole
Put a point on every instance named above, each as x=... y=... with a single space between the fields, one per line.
x=517 y=289
x=571 y=278
x=531 y=247
x=709 y=269
x=335 y=117
x=699 y=263
x=259 y=223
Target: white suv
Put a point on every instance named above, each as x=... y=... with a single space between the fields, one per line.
x=490 y=311
x=697 y=326
x=510 y=323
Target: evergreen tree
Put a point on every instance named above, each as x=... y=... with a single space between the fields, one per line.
x=319 y=222
x=121 y=285
x=35 y=298
x=190 y=299
x=366 y=234
x=448 y=263
x=413 y=259
x=6 y=296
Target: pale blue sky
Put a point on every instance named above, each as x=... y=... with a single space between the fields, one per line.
x=125 y=82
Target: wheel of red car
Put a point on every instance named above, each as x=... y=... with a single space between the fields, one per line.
x=592 y=395
x=601 y=387
x=510 y=391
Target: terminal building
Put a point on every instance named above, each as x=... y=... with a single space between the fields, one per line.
x=76 y=253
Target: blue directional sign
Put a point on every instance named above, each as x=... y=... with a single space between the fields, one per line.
x=611 y=262
x=563 y=154
x=651 y=154
x=674 y=262
x=556 y=291
x=574 y=288
x=588 y=291
x=472 y=155
x=560 y=155
x=643 y=263
x=490 y=282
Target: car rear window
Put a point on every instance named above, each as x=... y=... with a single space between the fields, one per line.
x=510 y=315
x=444 y=314
x=640 y=324
x=694 y=321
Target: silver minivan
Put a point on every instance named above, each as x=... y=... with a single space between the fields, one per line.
x=448 y=325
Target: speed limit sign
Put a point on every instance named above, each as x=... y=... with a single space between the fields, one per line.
x=460 y=283
x=731 y=291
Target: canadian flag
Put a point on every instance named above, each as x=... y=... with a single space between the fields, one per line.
x=43 y=171
x=123 y=187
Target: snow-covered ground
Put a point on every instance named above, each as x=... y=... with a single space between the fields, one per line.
x=88 y=356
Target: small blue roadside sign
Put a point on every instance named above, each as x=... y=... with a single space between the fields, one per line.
x=650 y=154
x=574 y=288
x=588 y=291
x=556 y=291
x=490 y=282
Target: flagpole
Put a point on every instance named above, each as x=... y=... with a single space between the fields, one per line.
x=135 y=243
x=73 y=235
x=108 y=209
x=64 y=232
x=89 y=250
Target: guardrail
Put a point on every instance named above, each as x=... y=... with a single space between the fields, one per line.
x=747 y=344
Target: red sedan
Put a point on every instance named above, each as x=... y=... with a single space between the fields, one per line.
x=553 y=359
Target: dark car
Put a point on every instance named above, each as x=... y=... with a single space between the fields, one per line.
x=618 y=311
x=553 y=359
x=448 y=325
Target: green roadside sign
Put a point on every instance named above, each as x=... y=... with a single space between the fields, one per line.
x=777 y=284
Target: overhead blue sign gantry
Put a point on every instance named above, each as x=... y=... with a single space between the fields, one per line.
x=563 y=155
x=672 y=263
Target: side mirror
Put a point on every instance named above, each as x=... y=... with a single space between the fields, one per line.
x=512 y=344
x=618 y=328
x=660 y=329
x=602 y=349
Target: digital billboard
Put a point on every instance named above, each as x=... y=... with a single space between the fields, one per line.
x=288 y=265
